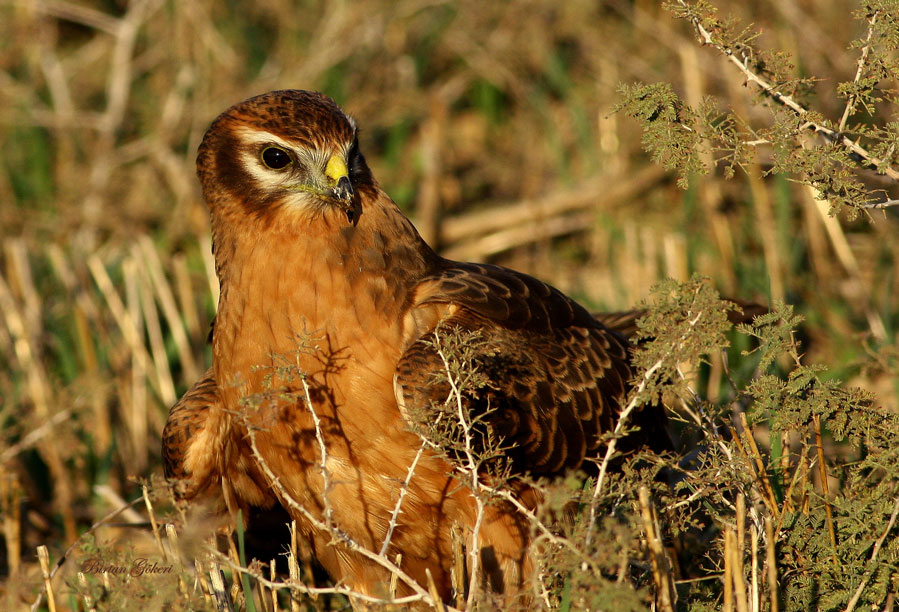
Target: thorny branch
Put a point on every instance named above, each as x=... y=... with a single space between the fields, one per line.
x=623 y=418
x=333 y=530
x=472 y=468
x=394 y=516
x=323 y=454
x=769 y=90
x=314 y=591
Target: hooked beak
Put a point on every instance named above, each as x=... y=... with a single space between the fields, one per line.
x=338 y=177
x=343 y=190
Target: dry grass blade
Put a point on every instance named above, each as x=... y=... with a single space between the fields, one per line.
x=666 y=597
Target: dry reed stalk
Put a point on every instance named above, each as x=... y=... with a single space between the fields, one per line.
x=35 y=436
x=22 y=283
x=737 y=572
x=273 y=575
x=458 y=573
x=123 y=508
x=43 y=556
x=849 y=262
x=162 y=367
x=88 y=600
x=709 y=192
x=728 y=577
x=431 y=139
x=237 y=593
x=661 y=568
x=223 y=602
x=205 y=586
x=825 y=490
x=87 y=319
x=754 y=569
x=716 y=375
x=209 y=266
x=186 y=293
x=41 y=395
x=264 y=597
x=175 y=548
x=761 y=472
x=169 y=307
x=11 y=510
x=435 y=595
x=127 y=327
x=136 y=417
x=292 y=566
x=771 y=562
x=393 y=579
x=741 y=520
x=765 y=226
x=599 y=193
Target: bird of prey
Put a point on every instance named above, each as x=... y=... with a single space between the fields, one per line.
x=327 y=356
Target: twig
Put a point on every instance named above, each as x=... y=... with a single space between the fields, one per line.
x=853 y=97
x=299 y=587
x=781 y=98
x=884 y=204
x=874 y=553
x=399 y=502
x=34 y=436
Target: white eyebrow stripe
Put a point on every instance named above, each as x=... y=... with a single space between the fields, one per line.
x=256 y=136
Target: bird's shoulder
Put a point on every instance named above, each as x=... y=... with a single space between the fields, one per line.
x=555 y=376
x=502 y=297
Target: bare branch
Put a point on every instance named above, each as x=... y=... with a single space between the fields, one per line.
x=399 y=502
x=863 y=58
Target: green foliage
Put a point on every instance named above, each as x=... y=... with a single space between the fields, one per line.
x=830 y=155
x=669 y=127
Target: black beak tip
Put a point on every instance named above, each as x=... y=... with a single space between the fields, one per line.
x=343 y=190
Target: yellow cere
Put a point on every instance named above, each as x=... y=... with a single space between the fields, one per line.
x=336 y=168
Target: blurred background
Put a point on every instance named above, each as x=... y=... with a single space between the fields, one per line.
x=490 y=124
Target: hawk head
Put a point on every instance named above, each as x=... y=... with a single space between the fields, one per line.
x=284 y=151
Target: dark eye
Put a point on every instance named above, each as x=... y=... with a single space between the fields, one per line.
x=275 y=158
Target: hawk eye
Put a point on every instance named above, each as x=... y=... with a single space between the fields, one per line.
x=275 y=158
